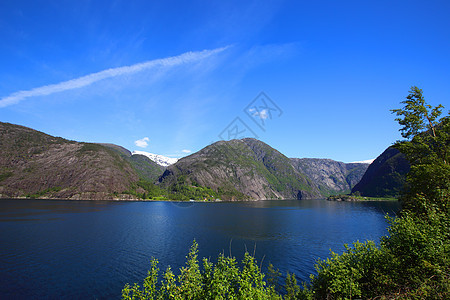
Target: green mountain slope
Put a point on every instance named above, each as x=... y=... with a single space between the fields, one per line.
x=241 y=169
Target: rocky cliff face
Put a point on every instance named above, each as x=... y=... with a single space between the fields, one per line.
x=34 y=164
x=245 y=168
x=331 y=177
x=385 y=177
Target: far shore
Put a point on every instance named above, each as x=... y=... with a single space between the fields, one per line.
x=353 y=198
x=149 y=200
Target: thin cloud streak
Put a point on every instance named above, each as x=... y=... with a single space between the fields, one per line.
x=86 y=80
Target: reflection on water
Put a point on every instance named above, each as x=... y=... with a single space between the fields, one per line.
x=90 y=249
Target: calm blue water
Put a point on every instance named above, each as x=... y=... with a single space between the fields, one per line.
x=90 y=249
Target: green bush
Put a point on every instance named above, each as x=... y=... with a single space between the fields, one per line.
x=223 y=280
x=411 y=263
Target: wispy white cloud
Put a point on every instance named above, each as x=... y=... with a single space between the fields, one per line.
x=142 y=143
x=86 y=80
x=186 y=151
x=263 y=114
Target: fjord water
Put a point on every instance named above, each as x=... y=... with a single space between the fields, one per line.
x=90 y=249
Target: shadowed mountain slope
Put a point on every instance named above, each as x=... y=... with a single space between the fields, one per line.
x=385 y=177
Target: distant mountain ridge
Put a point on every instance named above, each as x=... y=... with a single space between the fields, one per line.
x=34 y=164
x=161 y=160
x=331 y=177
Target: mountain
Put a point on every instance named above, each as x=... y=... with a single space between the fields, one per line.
x=385 y=177
x=241 y=169
x=331 y=177
x=161 y=160
x=34 y=164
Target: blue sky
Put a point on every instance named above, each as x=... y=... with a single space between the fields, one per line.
x=310 y=78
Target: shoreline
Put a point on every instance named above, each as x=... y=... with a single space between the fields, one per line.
x=351 y=198
x=335 y=198
x=147 y=200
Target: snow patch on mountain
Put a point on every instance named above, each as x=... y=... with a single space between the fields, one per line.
x=159 y=159
x=369 y=161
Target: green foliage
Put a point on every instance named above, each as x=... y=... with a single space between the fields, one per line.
x=183 y=192
x=44 y=192
x=146 y=168
x=357 y=194
x=190 y=278
x=180 y=191
x=152 y=191
x=411 y=263
x=420 y=253
x=223 y=280
x=229 y=193
x=428 y=151
x=144 y=189
x=417 y=116
x=272 y=275
x=90 y=148
x=5 y=175
x=292 y=288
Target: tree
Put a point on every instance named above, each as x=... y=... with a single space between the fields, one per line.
x=427 y=147
x=417 y=114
